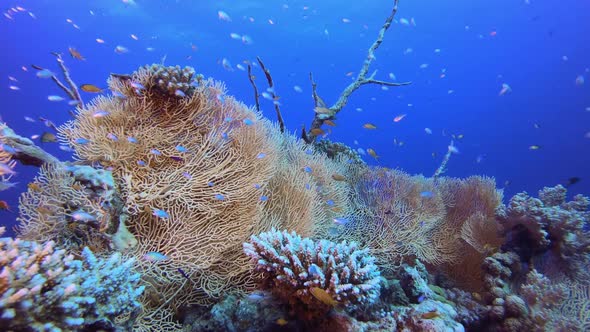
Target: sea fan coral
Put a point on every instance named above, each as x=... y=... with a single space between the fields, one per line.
x=74 y=205
x=297 y=267
x=43 y=289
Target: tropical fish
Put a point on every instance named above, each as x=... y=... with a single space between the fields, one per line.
x=341 y=221
x=330 y=123
x=430 y=315
x=154 y=256
x=369 y=126
x=223 y=16
x=338 y=177
x=48 y=137
x=282 y=322
x=83 y=216
x=160 y=213
x=534 y=147
x=323 y=296
x=90 y=88
x=81 y=140
x=317 y=131
x=55 y=98
x=572 y=180
x=34 y=186
x=4 y=206
x=219 y=197
x=399 y=118
x=45 y=73
x=505 y=89
x=121 y=49
x=75 y=54
x=7 y=185
x=372 y=153
x=99 y=113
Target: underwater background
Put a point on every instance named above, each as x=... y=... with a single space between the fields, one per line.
x=504 y=81
x=482 y=45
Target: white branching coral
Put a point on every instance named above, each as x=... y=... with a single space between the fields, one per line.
x=296 y=266
x=43 y=289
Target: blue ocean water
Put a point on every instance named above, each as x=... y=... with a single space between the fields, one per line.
x=536 y=47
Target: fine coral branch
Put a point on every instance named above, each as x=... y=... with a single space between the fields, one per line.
x=72 y=91
x=272 y=93
x=361 y=79
x=443 y=165
x=251 y=79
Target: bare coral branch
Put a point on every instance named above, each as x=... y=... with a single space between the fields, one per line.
x=275 y=98
x=361 y=79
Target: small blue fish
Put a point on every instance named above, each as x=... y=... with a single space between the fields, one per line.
x=309 y=151
x=256 y=296
x=180 y=148
x=156 y=152
x=7 y=148
x=44 y=73
x=263 y=198
x=307 y=186
x=73 y=102
x=112 y=137
x=307 y=169
x=427 y=194
x=179 y=93
x=219 y=197
x=100 y=114
x=137 y=85
x=131 y=139
x=341 y=221
x=330 y=202
x=314 y=270
x=257 y=186
x=83 y=216
x=210 y=183
x=225 y=136
x=228 y=119
x=81 y=140
x=187 y=175
x=261 y=155
x=154 y=256
x=119 y=95
x=160 y=213
x=141 y=163
x=55 y=98
x=248 y=122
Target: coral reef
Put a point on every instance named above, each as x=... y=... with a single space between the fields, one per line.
x=319 y=274
x=549 y=233
x=173 y=81
x=44 y=289
x=75 y=205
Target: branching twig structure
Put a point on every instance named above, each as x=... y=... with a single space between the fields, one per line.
x=323 y=113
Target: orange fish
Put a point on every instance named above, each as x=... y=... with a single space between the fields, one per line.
x=430 y=314
x=5 y=206
x=34 y=186
x=75 y=54
x=282 y=322
x=330 y=123
x=372 y=153
x=323 y=296
x=317 y=131
x=369 y=126
x=338 y=177
x=90 y=88
x=399 y=118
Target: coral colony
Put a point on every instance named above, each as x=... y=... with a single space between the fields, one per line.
x=187 y=210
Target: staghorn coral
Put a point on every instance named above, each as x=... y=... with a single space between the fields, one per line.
x=549 y=232
x=294 y=266
x=48 y=208
x=43 y=289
